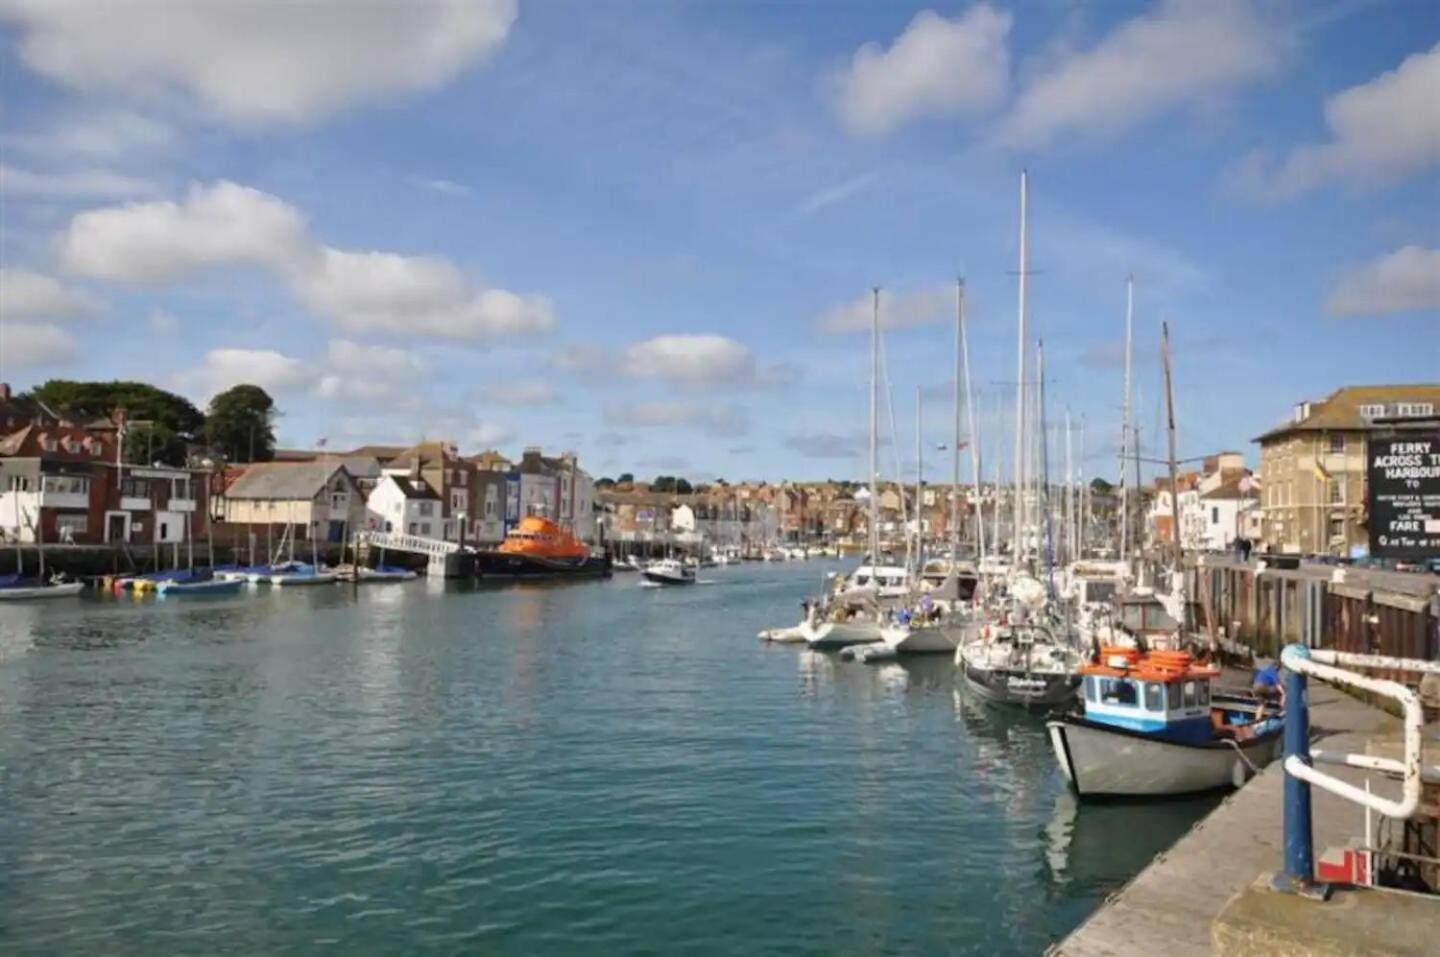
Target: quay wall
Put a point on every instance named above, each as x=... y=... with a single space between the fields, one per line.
x=1257 y=609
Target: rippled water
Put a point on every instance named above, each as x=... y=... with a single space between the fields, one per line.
x=583 y=768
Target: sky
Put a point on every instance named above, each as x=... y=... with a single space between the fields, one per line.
x=648 y=231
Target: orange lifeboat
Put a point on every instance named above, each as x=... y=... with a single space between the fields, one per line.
x=538 y=537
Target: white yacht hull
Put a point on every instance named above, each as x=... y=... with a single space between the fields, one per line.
x=1101 y=761
x=834 y=635
x=290 y=581
x=935 y=639
x=41 y=591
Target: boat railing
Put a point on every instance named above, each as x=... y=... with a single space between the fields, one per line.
x=1333 y=667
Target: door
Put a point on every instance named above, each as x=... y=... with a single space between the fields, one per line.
x=115 y=528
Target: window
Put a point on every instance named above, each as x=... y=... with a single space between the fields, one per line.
x=425 y=528
x=1204 y=694
x=1214 y=514
x=19 y=483
x=181 y=489
x=1172 y=697
x=427 y=509
x=68 y=526
x=490 y=507
x=1337 y=493
x=66 y=485
x=1119 y=691
x=1337 y=443
x=1191 y=693
x=1154 y=697
x=1415 y=409
x=132 y=487
x=413 y=527
x=1372 y=411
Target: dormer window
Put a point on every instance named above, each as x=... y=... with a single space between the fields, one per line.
x=1372 y=411
x=1417 y=410
x=48 y=444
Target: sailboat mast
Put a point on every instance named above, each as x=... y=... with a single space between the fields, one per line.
x=975 y=469
x=1020 y=450
x=955 y=430
x=1177 y=552
x=1069 y=495
x=919 y=491
x=1042 y=479
x=1125 y=452
x=874 y=425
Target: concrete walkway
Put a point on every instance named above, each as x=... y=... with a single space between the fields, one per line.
x=1169 y=907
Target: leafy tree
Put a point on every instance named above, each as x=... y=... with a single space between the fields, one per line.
x=240 y=424
x=626 y=478
x=605 y=482
x=1101 y=487
x=663 y=483
x=164 y=421
x=682 y=487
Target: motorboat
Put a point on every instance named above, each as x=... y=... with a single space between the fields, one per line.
x=197 y=587
x=1024 y=663
x=16 y=587
x=669 y=571
x=541 y=548
x=1151 y=726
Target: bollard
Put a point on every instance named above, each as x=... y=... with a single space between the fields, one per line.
x=1298 y=876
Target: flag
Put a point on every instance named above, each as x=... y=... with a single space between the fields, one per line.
x=321 y=443
x=1320 y=474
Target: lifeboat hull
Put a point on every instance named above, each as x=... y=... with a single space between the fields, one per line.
x=497 y=564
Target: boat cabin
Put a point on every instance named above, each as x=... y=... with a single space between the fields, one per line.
x=888 y=580
x=1163 y=693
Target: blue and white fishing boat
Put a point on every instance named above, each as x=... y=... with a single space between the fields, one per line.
x=1152 y=727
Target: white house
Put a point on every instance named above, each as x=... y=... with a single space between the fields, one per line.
x=405 y=505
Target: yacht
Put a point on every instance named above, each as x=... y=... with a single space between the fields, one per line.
x=1025 y=663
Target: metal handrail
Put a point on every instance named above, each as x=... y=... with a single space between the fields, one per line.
x=1305 y=661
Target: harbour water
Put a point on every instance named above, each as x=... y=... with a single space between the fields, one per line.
x=580 y=768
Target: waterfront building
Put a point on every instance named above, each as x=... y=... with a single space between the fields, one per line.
x=1312 y=467
x=64 y=483
x=437 y=468
x=304 y=501
x=404 y=504
x=556 y=488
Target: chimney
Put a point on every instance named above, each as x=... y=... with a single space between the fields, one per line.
x=4 y=392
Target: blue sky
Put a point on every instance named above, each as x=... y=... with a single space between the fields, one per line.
x=640 y=230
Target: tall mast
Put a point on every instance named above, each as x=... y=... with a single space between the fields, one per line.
x=955 y=430
x=1042 y=479
x=874 y=425
x=1019 y=476
x=1178 y=575
x=1083 y=491
x=1125 y=452
x=1069 y=494
x=970 y=409
x=919 y=492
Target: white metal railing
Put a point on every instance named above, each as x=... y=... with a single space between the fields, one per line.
x=401 y=542
x=1323 y=664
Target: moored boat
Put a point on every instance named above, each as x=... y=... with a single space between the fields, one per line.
x=176 y=588
x=1151 y=727
x=19 y=588
x=1025 y=664
x=540 y=548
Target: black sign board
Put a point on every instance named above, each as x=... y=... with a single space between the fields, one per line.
x=1404 y=496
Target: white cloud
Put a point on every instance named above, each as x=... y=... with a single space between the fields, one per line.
x=35 y=344
x=117 y=135
x=486 y=434
x=826 y=445
x=937 y=67
x=160 y=241
x=830 y=196
x=709 y=418
x=522 y=392
x=32 y=295
x=272 y=371
x=75 y=184
x=445 y=187
x=700 y=362
x=1406 y=280
x=369 y=372
x=1179 y=53
x=363 y=291
x=253 y=61
x=1380 y=131
x=904 y=310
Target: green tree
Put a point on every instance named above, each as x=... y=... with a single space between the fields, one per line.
x=625 y=478
x=683 y=487
x=240 y=424
x=663 y=483
x=605 y=482
x=1101 y=487
x=164 y=423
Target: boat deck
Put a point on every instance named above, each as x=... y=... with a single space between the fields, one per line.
x=1170 y=906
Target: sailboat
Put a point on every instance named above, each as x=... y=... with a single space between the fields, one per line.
x=1025 y=656
x=853 y=612
x=17 y=587
x=944 y=616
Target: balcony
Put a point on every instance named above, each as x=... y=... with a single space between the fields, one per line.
x=134 y=503
x=181 y=505
x=50 y=499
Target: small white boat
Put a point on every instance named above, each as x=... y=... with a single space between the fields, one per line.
x=669 y=571
x=938 y=637
x=834 y=635
x=208 y=586
x=1150 y=727
x=312 y=576
x=36 y=590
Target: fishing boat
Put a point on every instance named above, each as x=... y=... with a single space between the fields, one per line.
x=669 y=571
x=198 y=587
x=540 y=548
x=1151 y=726
x=19 y=588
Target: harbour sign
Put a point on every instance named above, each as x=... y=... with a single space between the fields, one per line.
x=1403 y=476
